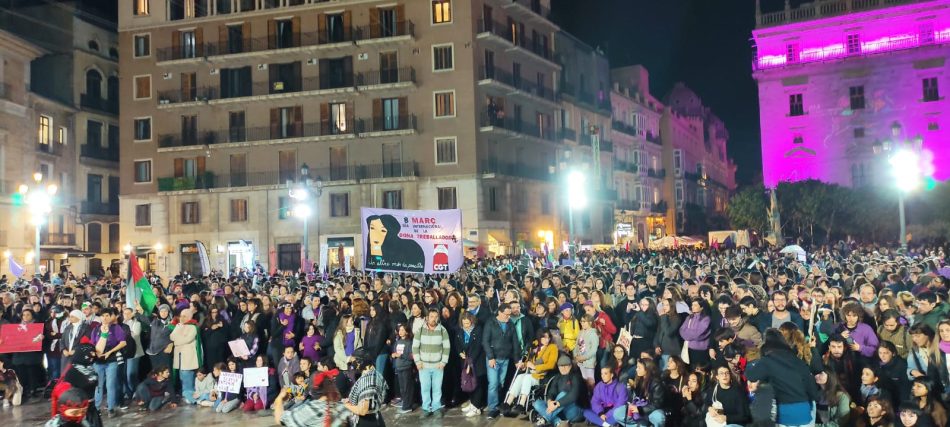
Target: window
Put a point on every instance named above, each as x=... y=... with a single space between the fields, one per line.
x=143 y=87
x=235 y=82
x=447 y=199
x=933 y=125
x=284 y=35
x=61 y=135
x=141 y=45
x=338 y=123
x=791 y=53
x=390 y=114
x=45 y=130
x=287 y=166
x=854 y=44
x=140 y=7
x=442 y=59
x=677 y=162
x=445 y=153
x=143 y=215
x=679 y=194
x=798 y=139
x=931 y=91
x=283 y=207
x=238 y=169
x=93 y=133
x=857 y=97
x=492 y=199
x=238 y=210
x=392 y=199
x=388 y=67
x=926 y=33
x=143 y=171
x=188 y=44
x=441 y=11
x=445 y=104
x=236 y=130
x=795 y=105
x=339 y=205
x=189 y=213
x=236 y=40
x=143 y=129
x=545 y=204
x=338 y=164
x=93 y=45
x=859 y=132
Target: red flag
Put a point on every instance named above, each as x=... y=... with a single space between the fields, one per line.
x=21 y=338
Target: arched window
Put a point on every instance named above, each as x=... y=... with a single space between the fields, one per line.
x=113 y=53
x=93 y=84
x=94 y=45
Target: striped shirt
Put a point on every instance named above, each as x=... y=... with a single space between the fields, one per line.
x=431 y=345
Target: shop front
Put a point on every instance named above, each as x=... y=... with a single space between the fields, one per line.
x=340 y=249
x=240 y=255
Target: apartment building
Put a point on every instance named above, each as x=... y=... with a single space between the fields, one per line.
x=639 y=171
x=433 y=104
x=72 y=94
x=838 y=77
x=584 y=132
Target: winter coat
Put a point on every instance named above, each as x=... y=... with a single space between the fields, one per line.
x=160 y=336
x=643 y=328
x=473 y=349
x=605 y=328
x=585 y=350
x=789 y=376
x=695 y=329
x=498 y=343
x=186 y=347
x=838 y=412
x=569 y=384
x=899 y=337
x=748 y=335
x=545 y=361
x=339 y=347
x=607 y=397
x=569 y=329
x=375 y=340
x=404 y=361
x=668 y=335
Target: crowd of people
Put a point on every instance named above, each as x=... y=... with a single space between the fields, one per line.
x=852 y=336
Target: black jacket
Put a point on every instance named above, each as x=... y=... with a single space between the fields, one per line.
x=473 y=350
x=498 y=343
x=735 y=403
x=655 y=395
x=789 y=375
x=570 y=384
x=377 y=332
x=668 y=335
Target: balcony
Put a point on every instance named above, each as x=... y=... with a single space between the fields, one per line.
x=520 y=170
x=99 y=208
x=390 y=76
x=622 y=127
x=495 y=121
x=98 y=103
x=622 y=166
x=659 y=207
x=273 y=178
x=500 y=34
x=522 y=87
x=370 y=80
x=567 y=134
x=527 y=10
x=383 y=33
x=387 y=124
x=824 y=9
x=656 y=173
x=94 y=151
x=58 y=239
x=629 y=205
x=53 y=148
x=606 y=146
x=202 y=181
x=656 y=139
x=177 y=96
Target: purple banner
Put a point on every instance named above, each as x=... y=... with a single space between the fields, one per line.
x=412 y=241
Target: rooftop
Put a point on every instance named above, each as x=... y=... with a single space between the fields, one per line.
x=817 y=9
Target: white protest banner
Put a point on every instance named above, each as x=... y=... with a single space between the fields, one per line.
x=255 y=377
x=230 y=382
x=239 y=348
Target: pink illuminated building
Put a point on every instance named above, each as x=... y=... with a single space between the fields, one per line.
x=836 y=76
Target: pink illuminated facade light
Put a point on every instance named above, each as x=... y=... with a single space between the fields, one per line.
x=832 y=84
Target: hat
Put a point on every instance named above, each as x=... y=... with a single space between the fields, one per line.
x=589 y=302
x=564 y=360
x=86 y=304
x=165 y=307
x=78 y=314
x=566 y=306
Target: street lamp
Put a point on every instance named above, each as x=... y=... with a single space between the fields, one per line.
x=301 y=193
x=39 y=202
x=903 y=156
x=576 y=199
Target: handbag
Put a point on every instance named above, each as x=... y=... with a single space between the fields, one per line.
x=684 y=353
x=468 y=381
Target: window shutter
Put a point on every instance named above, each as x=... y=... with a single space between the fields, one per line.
x=296 y=24
x=246 y=35
x=273 y=76
x=403 y=108
x=200 y=160
x=402 y=27
x=176 y=44
x=179 y=168
x=271 y=34
x=324 y=118
x=222 y=39
x=322 y=28
x=347 y=25
x=377 y=109
x=274 y=122
x=298 y=121
x=348 y=71
x=374 y=28
x=350 y=120
x=199 y=42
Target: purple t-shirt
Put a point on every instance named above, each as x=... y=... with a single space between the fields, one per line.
x=116 y=336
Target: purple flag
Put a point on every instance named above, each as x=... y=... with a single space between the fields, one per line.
x=15 y=268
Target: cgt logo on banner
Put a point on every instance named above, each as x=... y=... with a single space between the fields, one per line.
x=412 y=241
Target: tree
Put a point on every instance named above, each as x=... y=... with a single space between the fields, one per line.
x=748 y=209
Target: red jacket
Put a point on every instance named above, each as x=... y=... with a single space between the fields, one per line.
x=605 y=328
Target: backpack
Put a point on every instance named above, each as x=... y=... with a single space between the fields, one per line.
x=128 y=352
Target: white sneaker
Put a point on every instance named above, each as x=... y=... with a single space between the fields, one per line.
x=6 y=403
x=466 y=406
x=473 y=412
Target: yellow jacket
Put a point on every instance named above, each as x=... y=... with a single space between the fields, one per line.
x=546 y=361
x=570 y=328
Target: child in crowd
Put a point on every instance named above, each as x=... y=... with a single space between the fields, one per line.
x=153 y=393
x=204 y=388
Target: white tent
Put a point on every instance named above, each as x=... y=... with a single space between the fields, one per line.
x=796 y=250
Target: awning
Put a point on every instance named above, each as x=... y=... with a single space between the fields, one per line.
x=69 y=253
x=499 y=239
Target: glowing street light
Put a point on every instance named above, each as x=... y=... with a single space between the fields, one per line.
x=301 y=192
x=576 y=199
x=903 y=156
x=39 y=202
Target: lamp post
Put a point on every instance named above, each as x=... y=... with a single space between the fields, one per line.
x=903 y=156
x=576 y=199
x=301 y=193
x=39 y=202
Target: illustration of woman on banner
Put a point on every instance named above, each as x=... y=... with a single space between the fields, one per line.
x=387 y=251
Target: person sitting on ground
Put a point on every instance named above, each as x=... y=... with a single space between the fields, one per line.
x=153 y=393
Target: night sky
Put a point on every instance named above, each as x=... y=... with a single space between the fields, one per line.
x=703 y=43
